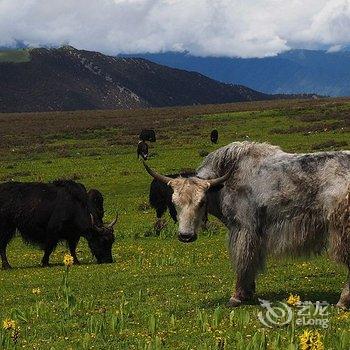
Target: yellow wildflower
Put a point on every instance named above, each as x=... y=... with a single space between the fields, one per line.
x=36 y=291
x=311 y=340
x=9 y=324
x=293 y=299
x=343 y=315
x=68 y=260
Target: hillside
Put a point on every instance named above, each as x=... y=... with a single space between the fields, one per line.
x=292 y=72
x=70 y=79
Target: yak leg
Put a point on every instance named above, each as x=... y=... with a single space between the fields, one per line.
x=205 y=222
x=172 y=212
x=161 y=209
x=6 y=235
x=5 y=263
x=344 y=301
x=340 y=244
x=49 y=247
x=245 y=287
x=248 y=254
x=54 y=231
x=72 y=244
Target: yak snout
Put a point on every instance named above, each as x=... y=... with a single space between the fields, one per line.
x=186 y=237
x=100 y=244
x=105 y=259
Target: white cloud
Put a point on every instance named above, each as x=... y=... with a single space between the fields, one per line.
x=335 y=48
x=243 y=28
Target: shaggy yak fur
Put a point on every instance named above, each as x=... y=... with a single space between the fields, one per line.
x=272 y=202
x=46 y=213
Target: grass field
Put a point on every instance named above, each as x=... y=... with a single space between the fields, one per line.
x=159 y=293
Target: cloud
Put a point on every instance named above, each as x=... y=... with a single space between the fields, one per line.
x=335 y=48
x=249 y=28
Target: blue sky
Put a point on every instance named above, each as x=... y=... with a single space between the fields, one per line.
x=244 y=28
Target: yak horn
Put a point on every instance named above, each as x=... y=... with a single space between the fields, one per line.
x=219 y=180
x=92 y=220
x=95 y=227
x=113 y=222
x=157 y=176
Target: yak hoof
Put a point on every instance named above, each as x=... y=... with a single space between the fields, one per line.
x=159 y=225
x=344 y=300
x=45 y=264
x=343 y=305
x=6 y=266
x=234 y=302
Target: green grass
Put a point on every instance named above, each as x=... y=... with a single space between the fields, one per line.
x=16 y=56
x=160 y=293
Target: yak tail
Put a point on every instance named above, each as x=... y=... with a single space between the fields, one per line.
x=340 y=231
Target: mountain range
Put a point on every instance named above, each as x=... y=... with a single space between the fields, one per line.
x=291 y=72
x=69 y=79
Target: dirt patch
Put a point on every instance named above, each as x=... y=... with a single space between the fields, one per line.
x=329 y=145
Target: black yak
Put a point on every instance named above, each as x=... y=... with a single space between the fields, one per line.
x=142 y=150
x=47 y=213
x=214 y=136
x=271 y=202
x=160 y=196
x=147 y=135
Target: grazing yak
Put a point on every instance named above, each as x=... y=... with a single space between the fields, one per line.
x=272 y=202
x=46 y=213
x=142 y=150
x=214 y=136
x=147 y=135
x=160 y=196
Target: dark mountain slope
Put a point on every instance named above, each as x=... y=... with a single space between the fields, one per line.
x=70 y=79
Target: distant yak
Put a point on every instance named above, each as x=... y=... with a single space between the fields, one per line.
x=214 y=136
x=47 y=213
x=148 y=135
x=142 y=150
